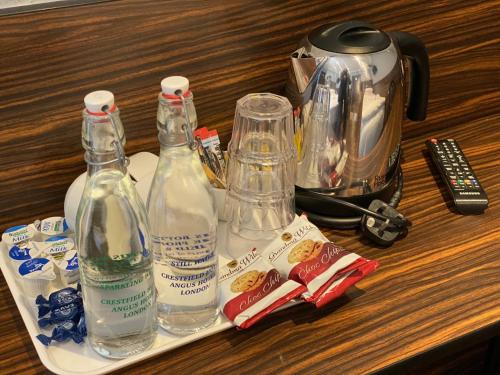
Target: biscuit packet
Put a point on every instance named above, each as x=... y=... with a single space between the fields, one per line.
x=251 y=288
x=303 y=254
x=346 y=278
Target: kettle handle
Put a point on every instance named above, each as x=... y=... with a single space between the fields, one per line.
x=413 y=49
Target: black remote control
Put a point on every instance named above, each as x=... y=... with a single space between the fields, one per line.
x=455 y=170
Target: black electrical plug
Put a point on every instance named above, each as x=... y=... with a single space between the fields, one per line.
x=383 y=232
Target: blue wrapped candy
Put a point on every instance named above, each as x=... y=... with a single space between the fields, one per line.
x=64 y=309
x=81 y=328
x=58 y=299
x=71 y=311
x=62 y=332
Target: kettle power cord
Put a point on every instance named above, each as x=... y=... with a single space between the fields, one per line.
x=380 y=222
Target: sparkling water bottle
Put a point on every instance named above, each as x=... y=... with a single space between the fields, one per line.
x=113 y=239
x=183 y=219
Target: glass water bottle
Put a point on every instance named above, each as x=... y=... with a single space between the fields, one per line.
x=183 y=219
x=113 y=240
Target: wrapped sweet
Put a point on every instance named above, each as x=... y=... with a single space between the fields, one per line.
x=57 y=299
x=64 y=310
x=64 y=331
x=71 y=311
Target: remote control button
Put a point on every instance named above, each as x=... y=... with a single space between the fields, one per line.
x=434 y=140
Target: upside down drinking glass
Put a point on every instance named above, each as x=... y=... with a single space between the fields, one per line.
x=261 y=169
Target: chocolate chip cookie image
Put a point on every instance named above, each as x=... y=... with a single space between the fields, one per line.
x=260 y=280
x=248 y=281
x=318 y=246
x=305 y=250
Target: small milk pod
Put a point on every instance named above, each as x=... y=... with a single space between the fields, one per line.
x=68 y=268
x=19 y=233
x=35 y=276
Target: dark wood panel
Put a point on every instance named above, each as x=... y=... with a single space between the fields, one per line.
x=440 y=283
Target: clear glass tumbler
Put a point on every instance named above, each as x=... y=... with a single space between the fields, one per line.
x=262 y=128
x=261 y=170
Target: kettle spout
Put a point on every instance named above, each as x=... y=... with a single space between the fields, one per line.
x=301 y=73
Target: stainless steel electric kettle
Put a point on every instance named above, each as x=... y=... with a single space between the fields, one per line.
x=347 y=85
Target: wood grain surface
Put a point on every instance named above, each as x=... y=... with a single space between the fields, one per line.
x=439 y=285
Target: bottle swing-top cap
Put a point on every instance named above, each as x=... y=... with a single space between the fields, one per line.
x=96 y=100
x=174 y=88
x=102 y=103
x=172 y=85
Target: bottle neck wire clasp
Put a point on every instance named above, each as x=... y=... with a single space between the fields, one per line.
x=192 y=143
x=117 y=144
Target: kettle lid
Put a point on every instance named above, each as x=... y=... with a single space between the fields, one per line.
x=351 y=37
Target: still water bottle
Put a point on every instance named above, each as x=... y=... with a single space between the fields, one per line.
x=113 y=240
x=183 y=219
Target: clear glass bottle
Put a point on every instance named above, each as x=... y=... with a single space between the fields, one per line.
x=113 y=239
x=183 y=218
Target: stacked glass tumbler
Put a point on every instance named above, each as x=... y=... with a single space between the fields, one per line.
x=261 y=170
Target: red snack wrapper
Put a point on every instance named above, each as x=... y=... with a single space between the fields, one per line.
x=303 y=254
x=345 y=279
x=251 y=289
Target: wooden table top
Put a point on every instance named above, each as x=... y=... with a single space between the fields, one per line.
x=437 y=286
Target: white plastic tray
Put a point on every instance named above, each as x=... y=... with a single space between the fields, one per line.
x=69 y=358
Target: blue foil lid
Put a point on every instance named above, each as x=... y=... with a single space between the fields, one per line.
x=18 y=253
x=12 y=229
x=56 y=238
x=32 y=265
x=72 y=264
